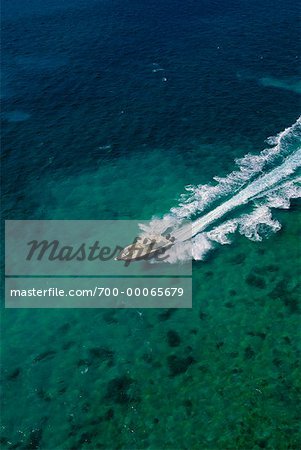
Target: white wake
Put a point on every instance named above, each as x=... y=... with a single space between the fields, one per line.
x=268 y=180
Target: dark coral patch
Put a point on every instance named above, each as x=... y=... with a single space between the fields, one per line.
x=109 y=316
x=289 y=296
x=35 y=437
x=14 y=374
x=44 y=395
x=86 y=438
x=102 y=354
x=86 y=407
x=237 y=370
x=229 y=305
x=209 y=274
x=270 y=268
x=287 y=340
x=118 y=390
x=4 y=441
x=255 y=281
x=62 y=390
x=48 y=354
x=109 y=415
x=179 y=365
x=165 y=315
x=188 y=407
x=259 y=334
x=249 y=352
x=219 y=344
x=277 y=362
x=148 y=358
x=68 y=345
x=83 y=363
x=173 y=338
x=238 y=259
x=262 y=443
x=64 y=328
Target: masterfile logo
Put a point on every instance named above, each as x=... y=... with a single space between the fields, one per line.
x=91 y=264
x=87 y=248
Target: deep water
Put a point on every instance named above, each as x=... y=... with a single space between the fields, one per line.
x=109 y=108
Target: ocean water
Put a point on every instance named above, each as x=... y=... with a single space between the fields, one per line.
x=109 y=109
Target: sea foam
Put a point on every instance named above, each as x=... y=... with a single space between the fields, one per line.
x=261 y=182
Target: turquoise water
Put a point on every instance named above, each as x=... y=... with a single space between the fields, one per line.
x=109 y=110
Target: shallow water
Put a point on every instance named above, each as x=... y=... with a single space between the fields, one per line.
x=109 y=135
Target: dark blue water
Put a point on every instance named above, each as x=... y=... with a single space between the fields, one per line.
x=84 y=74
x=109 y=109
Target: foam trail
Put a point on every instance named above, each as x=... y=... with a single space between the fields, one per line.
x=248 y=225
x=199 y=198
x=266 y=181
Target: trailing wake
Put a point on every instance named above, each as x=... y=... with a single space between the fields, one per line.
x=268 y=180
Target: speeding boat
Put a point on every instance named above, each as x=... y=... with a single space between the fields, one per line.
x=146 y=247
